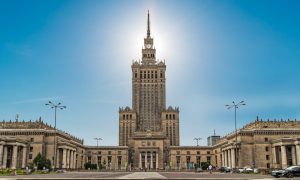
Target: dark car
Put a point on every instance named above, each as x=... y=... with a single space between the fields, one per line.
x=225 y=169
x=288 y=172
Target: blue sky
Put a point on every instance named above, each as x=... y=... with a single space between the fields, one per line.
x=79 y=53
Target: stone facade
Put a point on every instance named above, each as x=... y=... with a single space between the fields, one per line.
x=20 y=142
x=108 y=157
x=261 y=144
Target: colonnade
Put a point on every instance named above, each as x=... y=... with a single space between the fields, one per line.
x=68 y=158
x=143 y=158
x=280 y=157
x=7 y=161
x=229 y=157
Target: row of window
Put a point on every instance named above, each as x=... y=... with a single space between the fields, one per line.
x=188 y=152
x=170 y=116
x=127 y=116
x=148 y=55
x=148 y=75
x=188 y=159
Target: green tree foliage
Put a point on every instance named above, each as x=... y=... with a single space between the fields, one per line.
x=41 y=161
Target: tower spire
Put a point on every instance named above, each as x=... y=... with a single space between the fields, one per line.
x=148 y=26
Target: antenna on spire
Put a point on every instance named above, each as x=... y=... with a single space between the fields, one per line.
x=148 y=26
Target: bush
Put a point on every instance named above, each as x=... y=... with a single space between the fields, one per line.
x=5 y=172
x=204 y=165
x=40 y=162
x=20 y=172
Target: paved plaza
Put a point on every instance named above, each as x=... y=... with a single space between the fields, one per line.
x=140 y=175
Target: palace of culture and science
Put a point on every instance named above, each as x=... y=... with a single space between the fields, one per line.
x=149 y=135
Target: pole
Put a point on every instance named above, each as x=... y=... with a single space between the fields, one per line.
x=235 y=106
x=235 y=157
x=54 y=161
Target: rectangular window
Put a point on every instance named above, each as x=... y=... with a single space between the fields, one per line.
x=267 y=157
x=198 y=152
x=188 y=152
x=178 y=152
x=30 y=156
x=208 y=159
x=267 y=148
x=266 y=139
x=31 y=149
x=32 y=139
x=208 y=152
x=109 y=152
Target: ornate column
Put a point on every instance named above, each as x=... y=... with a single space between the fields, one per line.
x=293 y=148
x=298 y=153
x=274 y=162
x=151 y=161
x=64 y=159
x=146 y=157
x=75 y=164
x=73 y=160
x=283 y=157
x=4 y=157
x=140 y=161
x=70 y=159
x=57 y=158
x=225 y=158
x=14 y=157
x=1 y=154
x=233 y=158
x=229 y=158
x=24 y=157
x=156 y=160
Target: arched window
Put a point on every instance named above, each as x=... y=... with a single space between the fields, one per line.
x=173 y=116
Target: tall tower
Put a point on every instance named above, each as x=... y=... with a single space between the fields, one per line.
x=148 y=87
x=148 y=121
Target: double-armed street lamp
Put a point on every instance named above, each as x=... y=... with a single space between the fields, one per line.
x=98 y=139
x=235 y=106
x=197 y=139
x=55 y=107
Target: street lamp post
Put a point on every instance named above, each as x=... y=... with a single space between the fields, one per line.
x=197 y=139
x=98 y=139
x=55 y=106
x=235 y=106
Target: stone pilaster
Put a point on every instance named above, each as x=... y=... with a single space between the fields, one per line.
x=1 y=154
x=233 y=158
x=294 y=160
x=24 y=157
x=298 y=153
x=140 y=161
x=14 y=157
x=156 y=160
x=283 y=157
x=225 y=157
x=64 y=160
x=146 y=157
x=151 y=161
x=4 y=157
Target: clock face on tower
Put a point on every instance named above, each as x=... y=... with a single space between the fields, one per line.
x=148 y=46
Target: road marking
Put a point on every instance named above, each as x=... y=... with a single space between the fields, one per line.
x=143 y=175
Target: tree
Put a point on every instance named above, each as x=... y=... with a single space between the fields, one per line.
x=41 y=161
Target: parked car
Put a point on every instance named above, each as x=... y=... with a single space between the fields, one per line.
x=288 y=172
x=245 y=170
x=225 y=169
